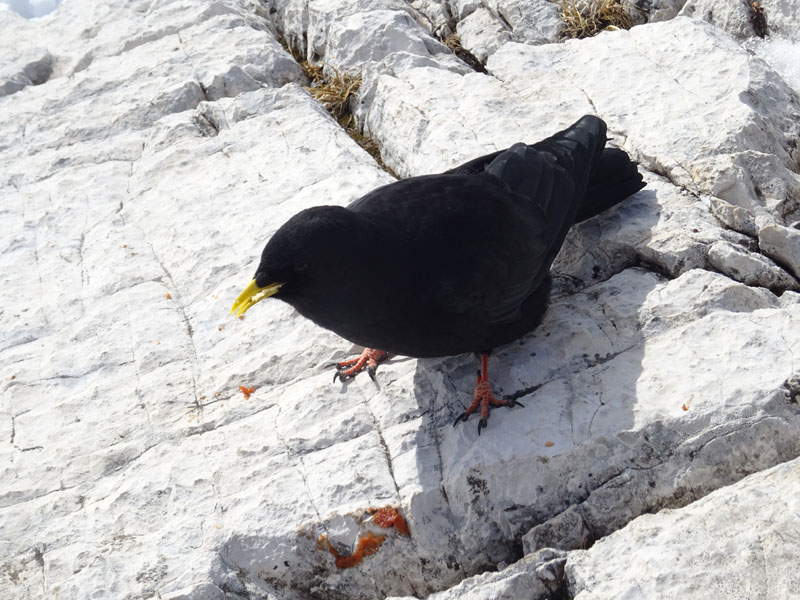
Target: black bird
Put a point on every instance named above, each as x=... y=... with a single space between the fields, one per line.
x=445 y=264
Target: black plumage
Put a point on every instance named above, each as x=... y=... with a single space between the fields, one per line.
x=450 y=263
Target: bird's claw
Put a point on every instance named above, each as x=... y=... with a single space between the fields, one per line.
x=484 y=400
x=462 y=417
x=341 y=375
x=368 y=361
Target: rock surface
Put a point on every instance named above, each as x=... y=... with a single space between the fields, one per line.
x=147 y=152
x=742 y=20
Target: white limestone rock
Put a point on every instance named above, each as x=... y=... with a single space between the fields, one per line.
x=538 y=575
x=484 y=26
x=781 y=55
x=733 y=139
x=741 y=20
x=654 y=11
x=532 y=21
x=750 y=268
x=690 y=552
x=737 y=218
x=728 y=130
x=447 y=117
x=482 y=33
x=351 y=34
x=143 y=178
x=32 y=66
x=782 y=244
x=731 y=543
x=662 y=431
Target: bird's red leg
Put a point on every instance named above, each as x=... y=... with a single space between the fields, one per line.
x=369 y=360
x=484 y=397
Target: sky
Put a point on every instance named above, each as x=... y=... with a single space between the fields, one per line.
x=30 y=8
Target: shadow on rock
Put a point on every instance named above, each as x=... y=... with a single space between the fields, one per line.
x=576 y=375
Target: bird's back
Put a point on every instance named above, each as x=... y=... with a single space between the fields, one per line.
x=553 y=175
x=480 y=240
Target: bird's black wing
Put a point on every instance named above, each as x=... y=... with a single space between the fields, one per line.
x=472 y=244
x=566 y=161
x=476 y=165
x=482 y=242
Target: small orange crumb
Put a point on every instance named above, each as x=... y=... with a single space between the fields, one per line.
x=246 y=391
x=134 y=253
x=367 y=544
x=220 y=327
x=241 y=317
x=549 y=444
x=202 y=398
x=169 y=296
x=684 y=407
x=388 y=517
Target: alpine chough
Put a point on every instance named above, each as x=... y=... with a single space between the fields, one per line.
x=445 y=264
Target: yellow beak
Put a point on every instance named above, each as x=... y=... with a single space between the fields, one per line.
x=251 y=295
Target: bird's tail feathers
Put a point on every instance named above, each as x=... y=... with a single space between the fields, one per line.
x=613 y=178
x=577 y=147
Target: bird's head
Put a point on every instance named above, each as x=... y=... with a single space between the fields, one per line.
x=308 y=255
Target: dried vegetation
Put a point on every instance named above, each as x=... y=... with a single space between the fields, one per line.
x=335 y=90
x=585 y=18
x=453 y=41
x=758 y=19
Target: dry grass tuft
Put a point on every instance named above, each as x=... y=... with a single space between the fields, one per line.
x=585 y=18
x=453 y=41
x=334 y=91
x=758 y=19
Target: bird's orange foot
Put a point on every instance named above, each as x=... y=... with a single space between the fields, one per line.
x=369 y=360
x=484 y=398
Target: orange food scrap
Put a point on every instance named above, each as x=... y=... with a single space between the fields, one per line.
x=220 y=328
x=169 y=296
x=388 y=517
x=684 y=407
x=246 y=391
x=549 y=444
x=241 y=317
x=367 y=544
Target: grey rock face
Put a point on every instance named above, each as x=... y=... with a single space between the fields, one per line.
x=742 y=20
